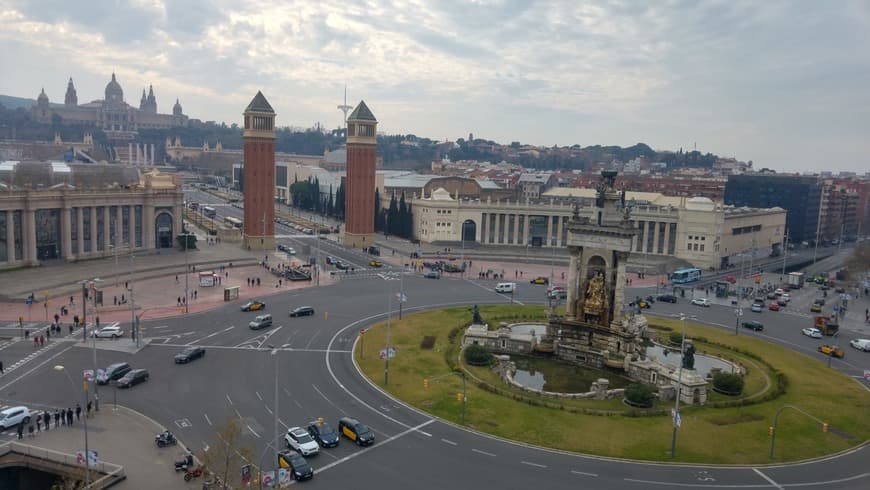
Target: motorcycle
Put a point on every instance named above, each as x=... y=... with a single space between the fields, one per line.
x=185 y=463
x=165 y=439
x=190 y=474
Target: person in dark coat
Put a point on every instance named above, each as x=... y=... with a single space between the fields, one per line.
x=21 y=430
x=46 y=419
x=69 y=416
x=57 y=418
x=78 y=412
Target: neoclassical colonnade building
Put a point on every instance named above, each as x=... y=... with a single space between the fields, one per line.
x=71 y=211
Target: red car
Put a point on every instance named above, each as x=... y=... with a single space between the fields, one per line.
x=773 y=307
x=730 y=279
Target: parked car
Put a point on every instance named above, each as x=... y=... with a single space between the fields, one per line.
x=540 y=280
x=260 y=321
x=773 y=306
x=701 y=302
x=330 y=259
x=753 y=325
x=299 y=468
x=771 y=295
x=667 y=298
x=782 y=302
x=253 y=305
x=133 y=378
x=779 y=291
x=557 y=293
x=323 y=433
x=189 y=354
x=831 y=350
x=812 y=332
x=355 y=431
x=819 y=301
x=301 y=441
x=302 y=311
x=113 y=372
x=786 y=296
x=13 y=416
x=861 y=344
x=432 y=274
x=109 y=332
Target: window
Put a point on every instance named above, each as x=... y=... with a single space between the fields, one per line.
x=689 y=247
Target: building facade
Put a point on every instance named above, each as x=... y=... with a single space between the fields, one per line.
x=799 y=195
x=697 y=230
x=111 y=114
x=259 y=175
x=359 y=214
x=59 y=211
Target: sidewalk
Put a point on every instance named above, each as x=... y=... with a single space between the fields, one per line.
x=123 y=437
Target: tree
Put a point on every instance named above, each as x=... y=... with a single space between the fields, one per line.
x=227 y=453
x=728 y=383
x=339 y=201
x=379 y=219
x=392 y=217
x=640 y=394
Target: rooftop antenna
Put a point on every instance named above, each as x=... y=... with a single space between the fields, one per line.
x=344 y=107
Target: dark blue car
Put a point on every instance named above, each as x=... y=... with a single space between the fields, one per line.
x=323 y=433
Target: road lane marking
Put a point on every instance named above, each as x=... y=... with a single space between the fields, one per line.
x=232 y=347
x=536 y=465
x=478 y=451
x=321 y=394
x=269 y=410
x=258 y=395
x=253 y=432
x=206 y=418
x=769 y=479
x=210 y=335
x=238 y=414
x=584 y=473
x=229 y=399
x=378 y=444
x=449 y=442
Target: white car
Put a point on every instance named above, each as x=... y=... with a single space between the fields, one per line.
x=110 y=332
x=701 y=302
x=779 y=292
x=301 y=441
x=13 y=416
x=812 y=332
x=861 y=344
x=786 y=296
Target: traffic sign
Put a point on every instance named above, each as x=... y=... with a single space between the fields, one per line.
x=867 y=374
x=29 y=300
x=88 y=375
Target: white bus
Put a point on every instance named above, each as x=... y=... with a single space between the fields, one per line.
x=234 y=222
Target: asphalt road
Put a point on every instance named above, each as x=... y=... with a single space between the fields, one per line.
x=317 y=378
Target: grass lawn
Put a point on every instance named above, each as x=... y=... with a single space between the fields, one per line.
x=740 y=433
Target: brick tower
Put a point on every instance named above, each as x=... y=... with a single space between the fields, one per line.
x=359 y=204
x=259 y=175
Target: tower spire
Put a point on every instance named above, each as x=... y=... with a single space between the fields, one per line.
x=344 y=108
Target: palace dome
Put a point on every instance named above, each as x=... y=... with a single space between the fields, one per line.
x=114 y=92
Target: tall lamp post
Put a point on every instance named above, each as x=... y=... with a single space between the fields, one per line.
x=676 y=413
x=87 y=452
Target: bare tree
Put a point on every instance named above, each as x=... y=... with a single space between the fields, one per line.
x=227 y=453
x=859 y=262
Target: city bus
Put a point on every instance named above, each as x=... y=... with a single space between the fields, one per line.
x=209 y=211
x=234 y=222
x=683 y=276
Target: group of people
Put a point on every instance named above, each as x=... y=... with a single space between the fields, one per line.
x=61 y=417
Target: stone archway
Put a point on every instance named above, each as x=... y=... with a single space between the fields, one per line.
x=469 y=231
x=596 y=265
x=163 y=231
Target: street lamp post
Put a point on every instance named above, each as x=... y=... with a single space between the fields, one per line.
x=676 y=414
x=277 y=432
x=87 y=452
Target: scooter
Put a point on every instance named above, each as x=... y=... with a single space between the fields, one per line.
x=185 y=463
x=190 y=474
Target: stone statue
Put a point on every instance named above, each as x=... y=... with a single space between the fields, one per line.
x=475 y=316
x=689 y=357
x=595 y=295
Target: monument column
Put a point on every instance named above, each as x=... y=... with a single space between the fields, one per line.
x=484 y=228
x=526 y=230
x=516 y=236
x=107 y=229
x=93 y=230
x=80 y=232
x=655 y=242
x=66 y=231
x=132 y=225
x=558 y=232
x=259 y=176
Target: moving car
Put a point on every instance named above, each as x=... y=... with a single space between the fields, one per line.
x=253 y=305
x=189 y=354
x=287 y=248
x=505 y=287
x=782 y=302
x=113 y=372
x=355 y=431
x=702 y=302
x=831 y=350
x=786 y=296
x=330 y=259
x=432 y=274
x=557 y=293
x=816 y=308
x=323 y=434
x=771 y=295
x=299 y=468
x=753 y=325
x=540 y=280
x=757 y=307
x=667 y=298
x=13 y=416
x=133 y=378
x=376 y=263
x=301 y=441
x=773 y=306
x=861 y=344
x=341 y=265
x=109 y=332
x=779 y=292
x=812 y=332
x=260 y=321
x=730 y=279
x=302 y=311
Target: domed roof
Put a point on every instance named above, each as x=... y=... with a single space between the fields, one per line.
x=42 y=96
x=176 y=109
x=114 y=92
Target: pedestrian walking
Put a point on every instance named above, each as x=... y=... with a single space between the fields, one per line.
x=90 y=404
x=194 y=293
x=69 y=416
x=21 y=430
x=176 y=279
x=258 y=281
x=1 y=368
x=57 y=418
x=56 y=318
x=70 y=329
x=36 y=341
x=30 y=430
x=46 y=419
x=39 y=423
x=178 y=301
x=78 y=412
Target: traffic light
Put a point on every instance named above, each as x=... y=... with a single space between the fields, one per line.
x=824 y=427
x=770 y=431
x=320 y=421
x=426 y=383
x=459 y=397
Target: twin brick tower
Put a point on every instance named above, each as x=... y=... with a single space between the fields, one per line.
x=259 y=176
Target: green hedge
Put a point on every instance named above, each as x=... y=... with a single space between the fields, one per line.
x=728 y=383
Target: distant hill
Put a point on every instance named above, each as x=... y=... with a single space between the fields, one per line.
x=11 y=102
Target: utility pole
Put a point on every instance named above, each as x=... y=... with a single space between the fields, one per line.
x=784 y=254
x=387 y=348
x=186 y=274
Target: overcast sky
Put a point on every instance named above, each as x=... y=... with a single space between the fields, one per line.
x=785 y=84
